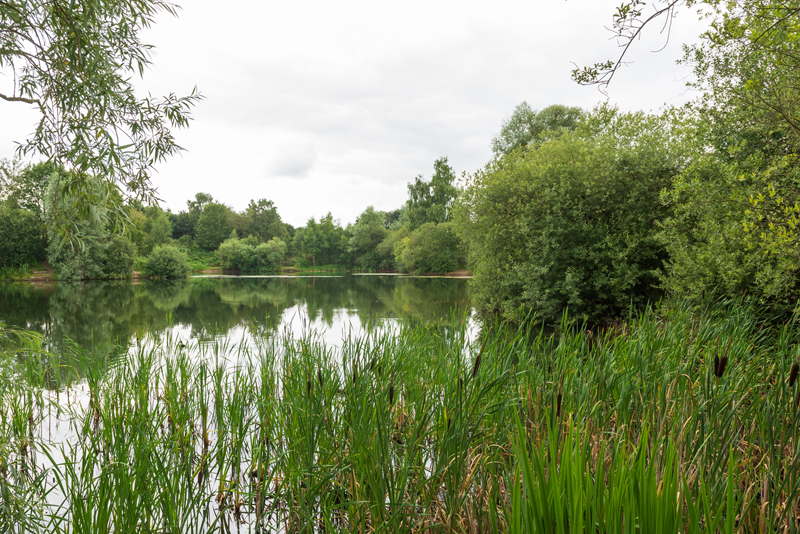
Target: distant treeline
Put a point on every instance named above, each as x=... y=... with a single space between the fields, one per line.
x=38 y=215
x=592 y=212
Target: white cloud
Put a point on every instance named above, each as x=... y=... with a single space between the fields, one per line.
x=334 y=106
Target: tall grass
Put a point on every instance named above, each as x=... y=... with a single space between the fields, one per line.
x=15 y=273
x=638 y=428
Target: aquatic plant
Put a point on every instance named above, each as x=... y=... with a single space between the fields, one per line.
x=421 y=428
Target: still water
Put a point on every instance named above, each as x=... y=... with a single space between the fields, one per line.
x=98 y=315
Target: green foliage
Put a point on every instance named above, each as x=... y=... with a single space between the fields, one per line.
x=385 y=251
x=75 y=65
x=737 y=208
x=431 y=201
x=82 y=258
x=263 y=222
x=571 y=223
x=431 y=248
x=246 y=255
x=25 y=187
x=323 y=242
x=120 y=255
x=526 y=126
x=624 y=430
x=21 y=240
x=213 y=226
x=150 y=227
x=368 y=233
x=166 y=261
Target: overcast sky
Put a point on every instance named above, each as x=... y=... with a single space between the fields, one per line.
x=334 y=106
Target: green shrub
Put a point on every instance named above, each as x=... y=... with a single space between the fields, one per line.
x=77 y=240
x=21 y=241
x=241 y=255
x=213 y=226
x=431 y=248
x=571 y=224
x=385 y=250
x=120 y=257
x=166 y=262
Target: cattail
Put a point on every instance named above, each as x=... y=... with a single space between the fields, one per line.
x=793 y=374
x=723 y=362
x=558 y=405
x=716 y=366
x=477 y=365
x=319 y=377
x=460 y=383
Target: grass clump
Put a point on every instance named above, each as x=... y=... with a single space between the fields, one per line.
x=637 y=428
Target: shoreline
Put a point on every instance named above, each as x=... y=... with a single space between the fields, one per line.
x=48 y=277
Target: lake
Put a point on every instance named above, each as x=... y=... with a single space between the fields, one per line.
x=98 y=315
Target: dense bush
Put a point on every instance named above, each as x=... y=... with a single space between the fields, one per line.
x=571 y=223
x=385 y=250
x=166 y=262
x=735 y=222
x=120 y=257
x=243 y=255
x=77 y=239
x=213 y=226
x=430 y=248
x=21 y=241
x=368 y=233
x=151 y=227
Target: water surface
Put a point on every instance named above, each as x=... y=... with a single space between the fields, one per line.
x=97 y=315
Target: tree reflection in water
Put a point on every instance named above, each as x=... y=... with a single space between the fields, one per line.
x=100 y=316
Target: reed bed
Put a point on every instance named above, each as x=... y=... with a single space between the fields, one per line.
x=680 y=420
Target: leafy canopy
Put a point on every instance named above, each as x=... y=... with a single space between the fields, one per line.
x=74 y=62
x=432 y=201
x=570 y=223
x=526 y=126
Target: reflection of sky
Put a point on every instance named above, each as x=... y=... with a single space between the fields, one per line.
x=295 y=324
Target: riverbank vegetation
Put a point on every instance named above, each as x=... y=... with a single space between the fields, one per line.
x=636 y=369
x=682 y=419
x=416 y=238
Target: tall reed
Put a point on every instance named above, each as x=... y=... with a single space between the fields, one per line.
x=633 y=428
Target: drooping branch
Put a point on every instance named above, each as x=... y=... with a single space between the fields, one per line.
x=20 y=99
x=629 y=27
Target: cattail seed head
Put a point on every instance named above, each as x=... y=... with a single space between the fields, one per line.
x=716 y=366
x=558 y=405
x=723 y=362
x=793 y=374
x=391 y=394
x=460 y=383
x=319 y=377
x=477 y=365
